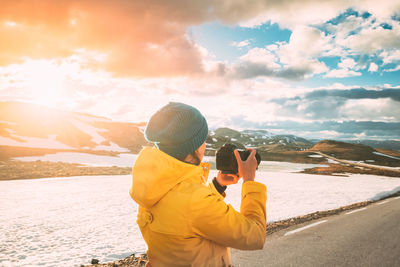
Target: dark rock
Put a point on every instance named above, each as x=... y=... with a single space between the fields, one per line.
x=94 y=261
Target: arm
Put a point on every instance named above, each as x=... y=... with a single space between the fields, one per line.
x=213 y=219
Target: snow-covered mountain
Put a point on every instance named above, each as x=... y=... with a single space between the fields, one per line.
x=260 y=139
x=29 y=125
x=33 y=126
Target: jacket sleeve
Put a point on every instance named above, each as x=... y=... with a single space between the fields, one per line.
x=213 y=219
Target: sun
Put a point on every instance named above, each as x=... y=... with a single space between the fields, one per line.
x=45 y=82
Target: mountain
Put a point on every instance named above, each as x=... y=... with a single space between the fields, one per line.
x=30 y=125
x=358 y=152
x=260 y=139
x=29 y=129
x=385 y=144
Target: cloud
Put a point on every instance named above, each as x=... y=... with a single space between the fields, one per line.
x=349 y=129
x=259 y=62
x=390 y=56
x=344 y=69
x=359 y=93
x=240 y=44
x=149 y=38
x=293 y=60
x=246 y=70
x=393 y=69
x=371 y=109
x=347 y=104
x=373 y=39
x=342 y=73
x=135 y=39
x=373 y=67
x=290 y=14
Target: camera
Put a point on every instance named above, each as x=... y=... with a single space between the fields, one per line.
x=226 y=161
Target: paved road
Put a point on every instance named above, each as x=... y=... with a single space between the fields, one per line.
x=369 y=236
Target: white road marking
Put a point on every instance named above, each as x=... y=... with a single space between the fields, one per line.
x=354 y=211
x=383 y=202
x=305 y=227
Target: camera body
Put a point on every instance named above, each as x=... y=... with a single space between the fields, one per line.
x=226 y=161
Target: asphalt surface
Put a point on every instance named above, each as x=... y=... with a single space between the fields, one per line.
x=369 y=236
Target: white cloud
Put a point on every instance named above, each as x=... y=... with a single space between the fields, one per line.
x=372 y=36
x=383 y=109
x=382 y=9
x=290 y=14
x=393 y=69
x=308 y=41
x=262 y=56
x=342 y=73
x=373 y=67
x=373 y=39
x=345 y=69
x=347 y=63
x=390 y=56
x=296 y=59
x=240 y=44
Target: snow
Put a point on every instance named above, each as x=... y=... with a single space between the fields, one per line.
x=381 y=154
x=294 y=194
x=8 y=122
x=112 y=147
x=332 y=161
x=68 y=221
x=315 y=156
x=122 y=160
x=50 y=142
x=89 y=119
x=88 y=129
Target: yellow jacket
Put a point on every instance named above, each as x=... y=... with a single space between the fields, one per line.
x=185 y=222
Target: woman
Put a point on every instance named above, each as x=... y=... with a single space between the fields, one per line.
x=184 y=221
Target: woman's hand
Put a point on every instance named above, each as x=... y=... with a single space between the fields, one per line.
x=247 y=169
x=227 y=179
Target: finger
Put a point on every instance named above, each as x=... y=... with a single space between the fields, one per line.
x=252 y=153
x=237 y=155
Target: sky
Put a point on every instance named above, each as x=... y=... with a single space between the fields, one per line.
x=315 y=69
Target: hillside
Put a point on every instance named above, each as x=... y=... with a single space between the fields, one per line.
x=357 y=152
x=34 y=126
x=28 y=130
x=260 y=139
x=382 y=144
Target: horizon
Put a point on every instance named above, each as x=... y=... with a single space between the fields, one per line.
x=315 y=70
x=241 y=130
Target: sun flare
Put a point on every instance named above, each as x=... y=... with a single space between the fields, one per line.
x=44 y=81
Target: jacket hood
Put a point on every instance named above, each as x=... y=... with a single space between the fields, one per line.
x=155 y=173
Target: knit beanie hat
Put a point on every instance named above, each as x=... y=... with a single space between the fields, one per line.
x=177 y=129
